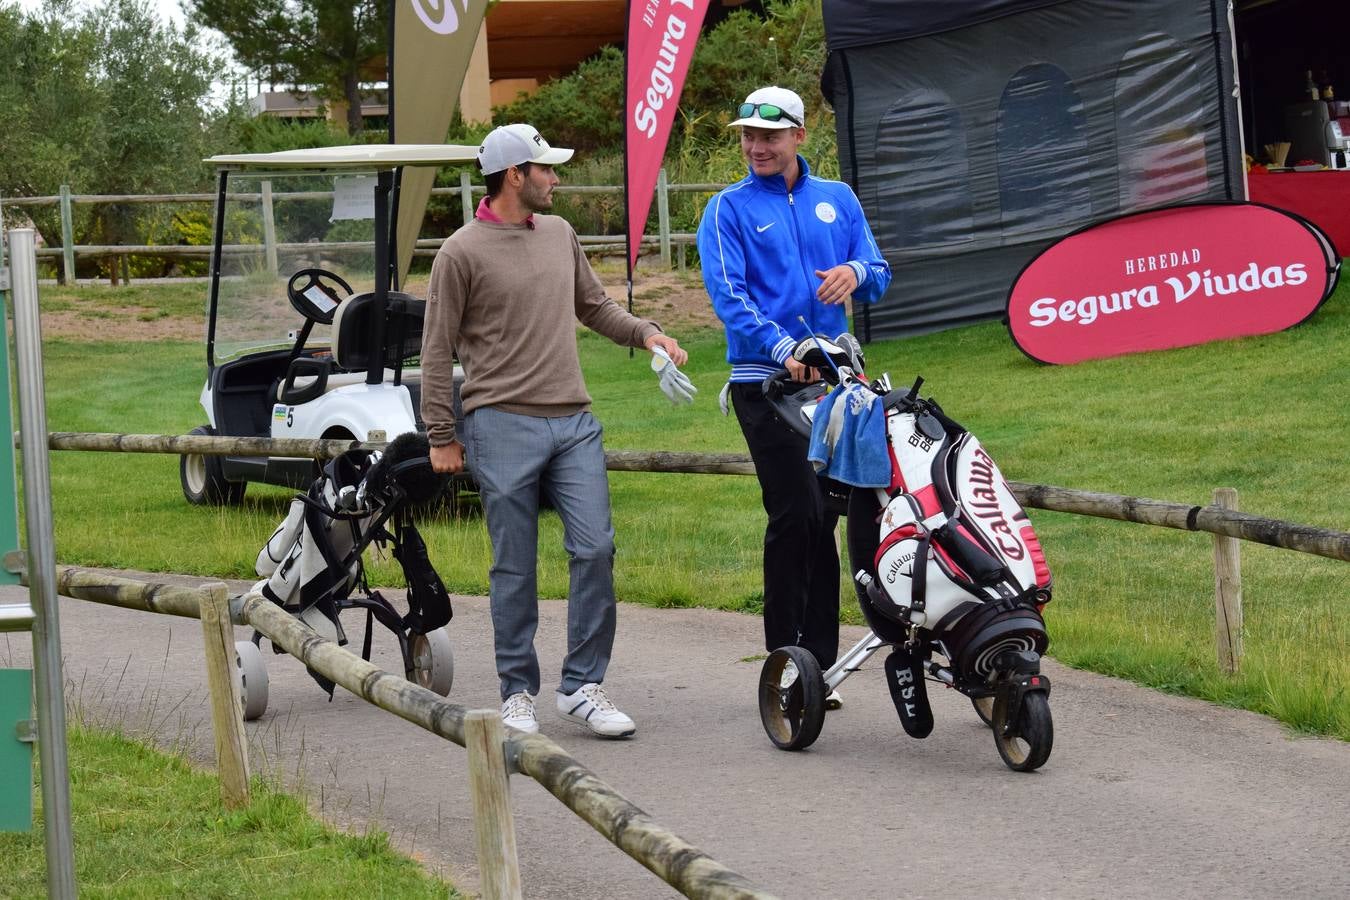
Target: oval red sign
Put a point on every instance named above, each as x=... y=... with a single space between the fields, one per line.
x=1170 y=278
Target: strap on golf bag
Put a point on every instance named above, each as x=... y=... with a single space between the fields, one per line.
x=951 y=534
x=428 y=600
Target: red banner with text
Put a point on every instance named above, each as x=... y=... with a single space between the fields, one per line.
x=1170 y=278
x=660 y=44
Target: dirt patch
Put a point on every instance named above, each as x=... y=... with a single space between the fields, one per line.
x=676 y=301
x=120 y=325
x=672 y=298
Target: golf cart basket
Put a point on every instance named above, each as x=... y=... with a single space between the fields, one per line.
x=312 y=566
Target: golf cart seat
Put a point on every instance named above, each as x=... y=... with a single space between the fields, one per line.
x=309 y=377
x=354 y=320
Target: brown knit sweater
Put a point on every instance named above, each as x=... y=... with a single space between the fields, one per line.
x=507 y=297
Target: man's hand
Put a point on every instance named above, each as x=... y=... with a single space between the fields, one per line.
x=448 y=458
x=836 y=284
x=800 y=372
x=668 y=344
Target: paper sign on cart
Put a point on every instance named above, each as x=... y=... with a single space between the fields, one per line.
x=353 y=197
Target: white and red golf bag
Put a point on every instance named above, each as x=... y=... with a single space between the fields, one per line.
x=956 y=554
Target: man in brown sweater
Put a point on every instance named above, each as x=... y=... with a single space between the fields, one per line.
x=506 y=291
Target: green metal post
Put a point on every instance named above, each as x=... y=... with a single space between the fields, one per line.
x=16 y=750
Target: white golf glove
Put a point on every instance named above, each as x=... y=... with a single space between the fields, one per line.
x=674 y=383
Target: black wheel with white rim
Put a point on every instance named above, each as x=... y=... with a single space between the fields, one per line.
x=1025 y=744
x=203 y=479
x=791 y=698
x=433 y=663
x=251 y=676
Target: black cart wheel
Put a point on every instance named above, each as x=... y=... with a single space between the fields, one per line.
x=1026 y=746
x=791 y=698
x=984 y=708
x=203 y=479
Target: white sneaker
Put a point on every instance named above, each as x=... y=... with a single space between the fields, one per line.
x=590 y=707
x=518 y=713
x=834 y=701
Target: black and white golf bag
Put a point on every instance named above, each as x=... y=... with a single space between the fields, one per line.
x=312 y=564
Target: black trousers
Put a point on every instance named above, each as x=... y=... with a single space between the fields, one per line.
x=801 y=561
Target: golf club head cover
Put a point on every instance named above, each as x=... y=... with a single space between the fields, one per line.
x=904 y=676
x=407 y=461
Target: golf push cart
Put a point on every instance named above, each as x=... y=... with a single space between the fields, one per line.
x=306 y=336
x=950 y=574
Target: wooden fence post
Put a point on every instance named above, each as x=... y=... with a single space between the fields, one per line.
x=494 y=826
x=269 y=227
x=1227 y=591
x=227 y=714
x=663 y=215
x=67 y=238
x=466 y=197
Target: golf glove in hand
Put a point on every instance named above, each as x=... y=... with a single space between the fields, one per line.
x=674 y=383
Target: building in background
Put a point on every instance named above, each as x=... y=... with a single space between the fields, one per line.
x=521 y=45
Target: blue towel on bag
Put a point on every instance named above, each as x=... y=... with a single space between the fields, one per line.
x=848 y=438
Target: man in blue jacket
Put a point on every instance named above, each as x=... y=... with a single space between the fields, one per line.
x=779 y=244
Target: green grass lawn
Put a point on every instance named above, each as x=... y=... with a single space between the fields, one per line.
x=1264 y=415
x=148 y=825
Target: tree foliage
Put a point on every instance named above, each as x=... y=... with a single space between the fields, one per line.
x=785 y=45
x=320 y=43
x=109 y=101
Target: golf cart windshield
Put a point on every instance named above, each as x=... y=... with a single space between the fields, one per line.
x=280 y=224
x=296 y=231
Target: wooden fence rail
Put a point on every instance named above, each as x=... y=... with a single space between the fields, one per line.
x=677 y=862
x=68 y=251
x=1221 y=518
x=1210 y=518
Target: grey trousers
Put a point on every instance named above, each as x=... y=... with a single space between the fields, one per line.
x=514 y=458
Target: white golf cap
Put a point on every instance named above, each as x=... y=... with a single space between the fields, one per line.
x=785 y=100
x=512 y=145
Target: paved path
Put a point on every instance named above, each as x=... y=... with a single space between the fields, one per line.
x=1146 y=795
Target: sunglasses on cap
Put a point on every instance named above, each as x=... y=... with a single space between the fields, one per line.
x=769 y=112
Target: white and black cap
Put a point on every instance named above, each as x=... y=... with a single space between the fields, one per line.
x=513 y=145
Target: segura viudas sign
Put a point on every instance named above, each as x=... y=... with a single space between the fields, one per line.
x=1170 y=278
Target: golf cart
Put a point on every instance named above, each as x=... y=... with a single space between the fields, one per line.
x=306 y=335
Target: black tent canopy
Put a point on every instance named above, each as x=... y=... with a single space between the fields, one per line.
x=976 y=133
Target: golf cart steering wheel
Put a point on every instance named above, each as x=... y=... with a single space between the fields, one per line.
x=312 y=297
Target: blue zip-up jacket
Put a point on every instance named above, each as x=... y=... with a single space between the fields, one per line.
x=760 y=246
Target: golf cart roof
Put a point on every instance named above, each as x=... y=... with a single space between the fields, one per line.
x=364 y=157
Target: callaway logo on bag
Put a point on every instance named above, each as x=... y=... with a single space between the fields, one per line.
x=952 y=535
